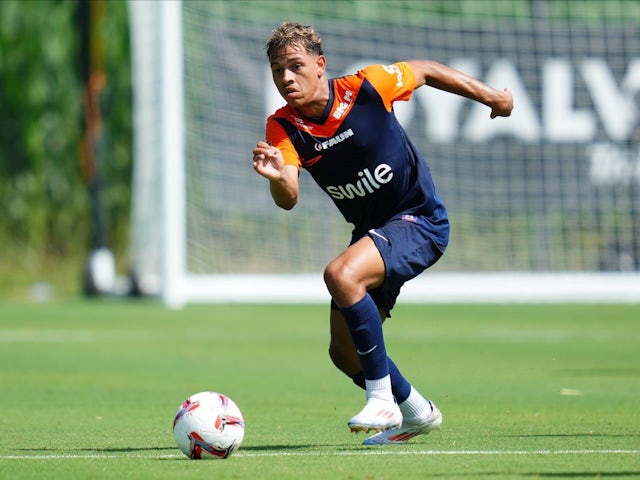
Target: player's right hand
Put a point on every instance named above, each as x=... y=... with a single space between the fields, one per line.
x=267 y=160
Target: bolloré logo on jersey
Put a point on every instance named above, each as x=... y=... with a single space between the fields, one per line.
x=368 y=183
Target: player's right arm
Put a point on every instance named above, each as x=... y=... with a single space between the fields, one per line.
x=276 y=159
x=269 y=162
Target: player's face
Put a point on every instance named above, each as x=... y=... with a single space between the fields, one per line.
x=297 y=75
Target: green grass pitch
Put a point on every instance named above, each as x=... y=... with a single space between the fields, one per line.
x=88 y=389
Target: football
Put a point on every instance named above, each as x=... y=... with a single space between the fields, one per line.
x=208 y=425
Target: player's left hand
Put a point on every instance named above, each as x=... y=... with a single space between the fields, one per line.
x=503 y=106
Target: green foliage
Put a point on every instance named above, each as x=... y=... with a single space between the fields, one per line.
x=43 y=197
x=425 y=12
x=89 y=390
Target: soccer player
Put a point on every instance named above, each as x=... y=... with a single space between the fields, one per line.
x=343 y=131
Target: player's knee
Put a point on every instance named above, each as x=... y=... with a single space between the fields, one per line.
x=331 y=277
x=337 y=277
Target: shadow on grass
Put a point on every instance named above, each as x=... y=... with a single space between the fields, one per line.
x=275 y=448
x=97 y=449
x=173 y=448
x=569 y=435
x=126 y=449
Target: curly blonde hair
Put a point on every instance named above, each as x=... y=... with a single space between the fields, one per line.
x=294 y=34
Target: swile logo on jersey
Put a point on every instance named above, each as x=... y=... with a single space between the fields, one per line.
x=368 y=183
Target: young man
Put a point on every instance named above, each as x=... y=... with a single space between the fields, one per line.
x=344 y=133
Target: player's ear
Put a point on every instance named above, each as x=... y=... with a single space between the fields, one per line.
x=321 y=63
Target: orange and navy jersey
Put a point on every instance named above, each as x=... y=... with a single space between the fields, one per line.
x=358 y=152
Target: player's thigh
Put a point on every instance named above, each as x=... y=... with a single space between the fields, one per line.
x=407 y=249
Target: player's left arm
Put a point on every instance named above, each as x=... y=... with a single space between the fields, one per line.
x=442 y=77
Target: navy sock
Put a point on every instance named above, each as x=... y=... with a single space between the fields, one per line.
x=400 y=387
x=365 y=325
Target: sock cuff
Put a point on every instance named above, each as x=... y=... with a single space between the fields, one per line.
x=415 y=406
x=379 y=388
x=361 y=311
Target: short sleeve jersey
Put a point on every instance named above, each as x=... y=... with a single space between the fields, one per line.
x=358 y=152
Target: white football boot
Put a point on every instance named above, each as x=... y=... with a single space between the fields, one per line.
x=377 y=415
x=407 y=430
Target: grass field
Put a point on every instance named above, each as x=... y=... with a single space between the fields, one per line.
x=89 y=390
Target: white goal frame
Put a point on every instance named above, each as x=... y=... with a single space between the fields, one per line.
x=164 y=96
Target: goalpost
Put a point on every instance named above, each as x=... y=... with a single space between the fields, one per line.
x=545 y=205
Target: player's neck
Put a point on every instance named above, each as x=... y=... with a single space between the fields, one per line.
x=316 y=107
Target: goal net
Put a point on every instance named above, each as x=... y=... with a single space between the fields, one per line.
x=543 y=205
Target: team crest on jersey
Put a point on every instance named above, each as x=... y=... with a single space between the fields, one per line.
x=300 y=123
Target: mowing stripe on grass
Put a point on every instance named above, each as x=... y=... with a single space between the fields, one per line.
x=338 y=453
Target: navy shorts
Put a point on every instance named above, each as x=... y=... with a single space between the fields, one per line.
x=408 y=245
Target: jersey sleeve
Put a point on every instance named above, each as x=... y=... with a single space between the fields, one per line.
x=276 y=136
x=393 y=82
